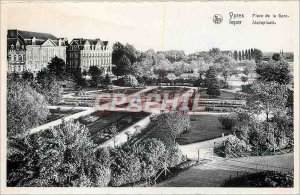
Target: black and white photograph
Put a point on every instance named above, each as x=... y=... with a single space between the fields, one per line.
x=163 y=97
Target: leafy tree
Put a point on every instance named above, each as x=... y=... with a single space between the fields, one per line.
x=276 y=57
x=252 y=53
x=95 y=73
x=57 y=68
x=67 y=158
x=214 y=52
x=107 y=80
x=240 y=56
x=274 y=71
x=170 y=126
x=123 y=57
x=244 y=79
x=235 y=55
x=48 y=86
x=213 y=87
x=22 y=160
x=27 y=76
x=125 y=167
x=243 y=55
x=80 y=82
x=246 y=71
x=257 y=55
x=267 y=98
x=25 y=108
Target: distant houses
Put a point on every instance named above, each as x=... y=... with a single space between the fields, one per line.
x=32 y=51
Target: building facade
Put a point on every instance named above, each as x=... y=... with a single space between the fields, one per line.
x=32 y=51
x=84 y=53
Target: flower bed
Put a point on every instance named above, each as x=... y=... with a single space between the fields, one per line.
x=104 y=125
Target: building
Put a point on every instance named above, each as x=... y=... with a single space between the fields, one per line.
x=84 y=53
x=32 y=51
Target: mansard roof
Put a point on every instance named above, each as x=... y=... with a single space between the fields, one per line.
x=37 y=35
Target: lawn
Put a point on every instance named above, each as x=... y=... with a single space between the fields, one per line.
x=224 y=95
x=203 y=127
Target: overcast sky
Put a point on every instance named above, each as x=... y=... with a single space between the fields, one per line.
x=161 y=26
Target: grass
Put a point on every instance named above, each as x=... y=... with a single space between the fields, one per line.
x=224 y=95
x=203 y=127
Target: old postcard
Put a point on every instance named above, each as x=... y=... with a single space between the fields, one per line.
x=193 y=97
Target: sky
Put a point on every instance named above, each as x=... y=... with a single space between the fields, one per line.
x=160 y=26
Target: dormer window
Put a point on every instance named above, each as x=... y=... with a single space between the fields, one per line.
x=18 y=45
x=33 y=40
x=12 y=47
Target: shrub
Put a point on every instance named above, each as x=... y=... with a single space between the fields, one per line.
x=228 y=121
x=263 y=179
x=247 y=88
x=125 y=167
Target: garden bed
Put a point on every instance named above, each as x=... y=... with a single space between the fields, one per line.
x=100 y=124
x=60 y=113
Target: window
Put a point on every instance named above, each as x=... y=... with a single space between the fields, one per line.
x=12 y=47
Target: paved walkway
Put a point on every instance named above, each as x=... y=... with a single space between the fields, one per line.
x=214 y=173
x=191 y=150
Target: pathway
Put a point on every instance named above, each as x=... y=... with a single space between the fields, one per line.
x=215 y=172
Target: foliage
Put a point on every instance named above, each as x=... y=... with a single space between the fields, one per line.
x=125 y=167
x=48 y=86
x=247 y=88
x=263 y=179
x=80 y=82
x=228 y=121
x=257 y=55
x=57 y=68
x=27 y=76
x=276 y=57
x=267 y=97
x=95 y=73
x=25 y=108
x=244 y=79
x=213 y=87
x=61 y=157
x=170 y=125
x=277 y=71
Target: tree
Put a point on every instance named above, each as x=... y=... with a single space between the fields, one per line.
x=276 y=57
x=213 y=87
x=246 y=71
x=243 y=55
x=267 y=97
x=246 y=55
x=48 y=86
x=80 y=82
x=274 y=71
x=66 y=158
x=107 y=80
x=25 y=108
x=57 y=68
x=240 y=56
x=27 y=76
x=123 y=57
x=95 y=73
x=257 y=55
x=244 y=79
x=252 y=53
x=235 y=55
x=214 y=52
x=249 y=54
